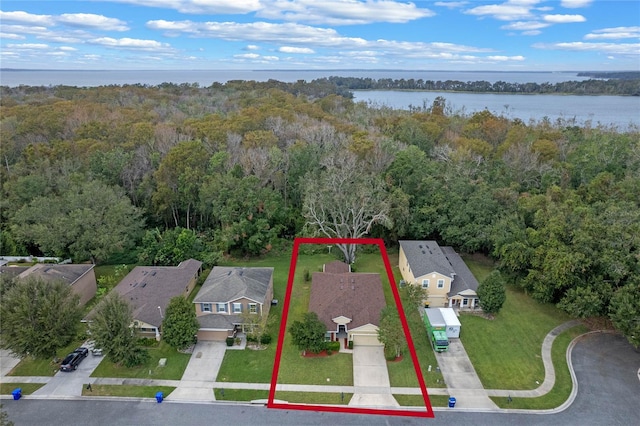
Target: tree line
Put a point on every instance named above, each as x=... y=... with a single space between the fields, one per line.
x=157 y=174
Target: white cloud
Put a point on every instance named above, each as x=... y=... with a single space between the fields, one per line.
x=509 y=11
x=531 y=33
x=501 y=58
x=68 y=48
x=564 y=19
x=451 y=4
x=90 y=20
x=290 y=49
x=252 y=47
x=342 y=12
x=614 y=33
x=525 y=25
x=21 y=17
x=28 y=46
x=605 y=48
x=201 y=6
x=130 y=43
x=247 y=56
x=572 y=4
x=10 y=36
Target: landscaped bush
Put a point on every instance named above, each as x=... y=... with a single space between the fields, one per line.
x=147 y=342
x=350 y=344
x=333 y=346
x=265 y=339
x=230 y=341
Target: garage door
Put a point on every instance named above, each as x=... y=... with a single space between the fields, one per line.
x=366 y=340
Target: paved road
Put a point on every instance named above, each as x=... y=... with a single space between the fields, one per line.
x=605 y=365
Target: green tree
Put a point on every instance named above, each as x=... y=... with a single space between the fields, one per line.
x=170 y=247
x=111 y=328
x=412 y=295
x=180 y=325
x=309 y=334
x=258 y=325
x=38 y=317
x=624 y=311
x=391 y=333
x=492 y=293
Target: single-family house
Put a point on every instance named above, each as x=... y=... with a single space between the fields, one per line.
x=227 y=295
x=348 y=303
x=80 y=277
x=149 y=289
x=441 y=271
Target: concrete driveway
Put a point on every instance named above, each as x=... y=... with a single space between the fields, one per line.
x=371 y=378
x=68 y=384
x=7 y=362
x=201 y=372
x=461 y=378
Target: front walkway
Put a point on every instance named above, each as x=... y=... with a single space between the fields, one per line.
x=371 y=378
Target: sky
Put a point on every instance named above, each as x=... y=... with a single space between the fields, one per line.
x=508 y=35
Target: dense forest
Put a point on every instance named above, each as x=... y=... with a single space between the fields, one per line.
x=612 y=86
x=159 y=174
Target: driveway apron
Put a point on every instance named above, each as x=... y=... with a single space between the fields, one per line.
x=201 y=372
x=371 y=378
x=461 y=378
x=69 y=384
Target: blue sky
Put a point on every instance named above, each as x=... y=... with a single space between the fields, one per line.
x=507 y=35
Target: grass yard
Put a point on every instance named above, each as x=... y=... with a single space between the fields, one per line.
x=321 y=398
x=126 y=390
x=27 y=388
x=563 y=385
x=30 y=366
x=418 y=401
x=248 y=366
x=240 y=394
x=173 y=370
x=505 y=351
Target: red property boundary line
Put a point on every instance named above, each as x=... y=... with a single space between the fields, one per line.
x=283 y=329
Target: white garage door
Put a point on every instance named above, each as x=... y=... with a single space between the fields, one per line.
x=366 y=340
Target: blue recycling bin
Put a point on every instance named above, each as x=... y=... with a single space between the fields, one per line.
x=159 y=397
x=17 y=393
x=452 y=402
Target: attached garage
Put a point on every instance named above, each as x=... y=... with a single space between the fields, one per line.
x=366 y=340
x=219 y=335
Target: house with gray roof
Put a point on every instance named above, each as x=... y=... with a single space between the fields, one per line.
x=228 y=295
x=149 y=289
x=80 y=277
x=441 y=271
x=348 y=303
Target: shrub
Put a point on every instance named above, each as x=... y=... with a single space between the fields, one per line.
x=333 y=346
x=266 y=339
x=147 y=342
x=307 y=275
x=350 y=344
x=251 y=338
x=230 y=341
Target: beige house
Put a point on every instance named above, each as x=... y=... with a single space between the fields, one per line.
x=149 y=289
x=440 y=271
x=348 y=304
x=227 y=295
x=81 y=277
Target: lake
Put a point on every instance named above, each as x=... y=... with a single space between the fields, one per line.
x=620 y=111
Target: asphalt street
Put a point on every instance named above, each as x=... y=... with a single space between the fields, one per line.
x=606 y=368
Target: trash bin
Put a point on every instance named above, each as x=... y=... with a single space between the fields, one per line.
x=452 y=402
x=159 y=397
x=17 y=393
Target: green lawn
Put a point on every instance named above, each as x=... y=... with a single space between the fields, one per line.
x=563 y=385
x=322 y=398
x=30 y=366
x=505 y=351
x=240 y=394
x=173 y=370
x=27 y=388
x=127 y=390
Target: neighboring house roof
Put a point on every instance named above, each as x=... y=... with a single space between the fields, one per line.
x=425 y=257
x=13 y=271
x=147 y=287
x=464 y=279
x=357 y=296
x=226 y=284
x=218 y=321
x=50 y=272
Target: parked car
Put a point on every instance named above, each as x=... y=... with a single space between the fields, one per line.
x=71 y=361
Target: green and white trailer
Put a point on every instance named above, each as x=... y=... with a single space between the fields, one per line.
x=436 y=328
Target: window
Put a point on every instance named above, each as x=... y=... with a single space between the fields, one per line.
x=253 y=308
x=440 y=283
x=205 y=307
x=222 y=307
x=237 y=308
x=425 y=283
x=465 y=302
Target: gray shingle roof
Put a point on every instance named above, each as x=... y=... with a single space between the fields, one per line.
x=225 y=284
x=147 y=287
x=464 y=279
x=53 y=272
x=425 y=257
